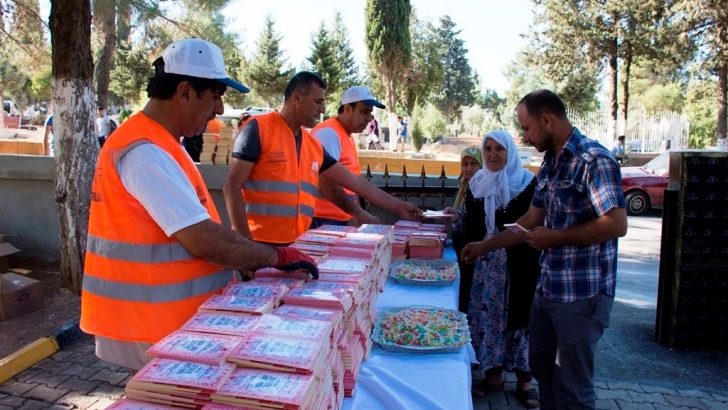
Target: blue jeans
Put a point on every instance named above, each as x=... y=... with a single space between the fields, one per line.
x=567 y=332
x=317 y=222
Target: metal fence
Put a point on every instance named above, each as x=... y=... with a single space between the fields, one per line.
x=643 y=132
x=425 y=191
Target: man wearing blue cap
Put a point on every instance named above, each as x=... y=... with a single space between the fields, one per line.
x=353 y=116
x=155 y=248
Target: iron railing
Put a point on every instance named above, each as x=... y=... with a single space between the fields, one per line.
x=426 y=191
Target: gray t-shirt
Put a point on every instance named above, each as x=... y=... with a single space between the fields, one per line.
x=247 y=146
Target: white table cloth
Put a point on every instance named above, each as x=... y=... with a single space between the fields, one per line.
x=415 y=381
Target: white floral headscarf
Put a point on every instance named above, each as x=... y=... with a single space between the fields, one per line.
x=498 y=188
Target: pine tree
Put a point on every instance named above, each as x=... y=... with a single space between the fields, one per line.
x=266 y=73
x=457 y=84
x=389 y=47
x=344 y=54
x=323 y=59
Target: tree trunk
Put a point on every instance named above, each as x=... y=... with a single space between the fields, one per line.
x=625 y=87
x=123 y=25
x=391 y=96
x=722 y=106
x=105 y=23
x=73 y=129
x=613 y=86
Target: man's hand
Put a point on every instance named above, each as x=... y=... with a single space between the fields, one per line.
x=452 y=214
x=540 y=238
x=409 y=211
x=291 y=259
x=362 y=217
x=473 y=250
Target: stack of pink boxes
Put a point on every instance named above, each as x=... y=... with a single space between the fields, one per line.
x=420 y=240
x=280 y=340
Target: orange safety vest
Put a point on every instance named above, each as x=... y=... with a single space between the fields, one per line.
x=139 y=284
x=349 y=158
x=280 y=193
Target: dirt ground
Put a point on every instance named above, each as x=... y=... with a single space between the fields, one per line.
x=60 y=306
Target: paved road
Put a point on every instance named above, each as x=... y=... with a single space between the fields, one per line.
x=632 y=371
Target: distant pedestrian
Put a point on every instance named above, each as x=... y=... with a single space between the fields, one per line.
x=372 y=132
x=103 y=126
x=48 y=141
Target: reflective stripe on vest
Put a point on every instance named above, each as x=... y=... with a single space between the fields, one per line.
x=349 y=158
x=172 y=292
x=134 y=252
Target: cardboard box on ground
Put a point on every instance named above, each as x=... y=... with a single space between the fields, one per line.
x=18 y=294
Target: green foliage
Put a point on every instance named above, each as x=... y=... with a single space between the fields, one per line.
x=389 y=48
x=12 y=77
x=344 y=54
x=40 y=83
x=130 y=74
x=266 y=73
x=663 y=97
x=457 y=81
x=324 y=61
x=473 y=117
x=425 y=72
x=124 y=114
x=526 y=74
x=431 y=120
x=702 y=110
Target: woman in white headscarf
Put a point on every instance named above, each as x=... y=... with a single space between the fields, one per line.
x=504 y=280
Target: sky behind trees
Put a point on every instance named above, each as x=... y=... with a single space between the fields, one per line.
x=490 y=28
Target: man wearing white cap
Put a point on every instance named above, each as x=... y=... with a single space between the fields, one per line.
x=277 y=165
x=156 y=249
x=354 y=114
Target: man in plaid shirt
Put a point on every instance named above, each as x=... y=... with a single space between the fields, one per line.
x=576 y=216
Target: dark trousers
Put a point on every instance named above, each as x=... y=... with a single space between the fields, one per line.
x=567 y=332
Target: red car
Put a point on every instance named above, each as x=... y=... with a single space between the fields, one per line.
x=643 y=186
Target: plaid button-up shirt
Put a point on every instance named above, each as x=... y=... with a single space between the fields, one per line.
x=582 y=184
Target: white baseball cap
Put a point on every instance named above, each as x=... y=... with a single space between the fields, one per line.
x=198 y=58
x=360 y=93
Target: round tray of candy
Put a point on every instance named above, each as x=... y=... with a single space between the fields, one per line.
x=421 y=329
x=424 y=272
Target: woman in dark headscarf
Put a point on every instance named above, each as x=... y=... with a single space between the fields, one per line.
x=469 y=216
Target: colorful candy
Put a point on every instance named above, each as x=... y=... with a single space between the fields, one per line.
x=422 y=270
x=426 y=327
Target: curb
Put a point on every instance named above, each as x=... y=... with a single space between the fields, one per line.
x=40 y=349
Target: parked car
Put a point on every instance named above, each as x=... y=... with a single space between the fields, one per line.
x=643 y=186
x=230 y=116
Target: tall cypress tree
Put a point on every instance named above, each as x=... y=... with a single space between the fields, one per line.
x=266 y=73
x=389 y=47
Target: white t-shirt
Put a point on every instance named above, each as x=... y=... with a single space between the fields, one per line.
x=330 y=141
x=102 y=126
x=157 y=181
